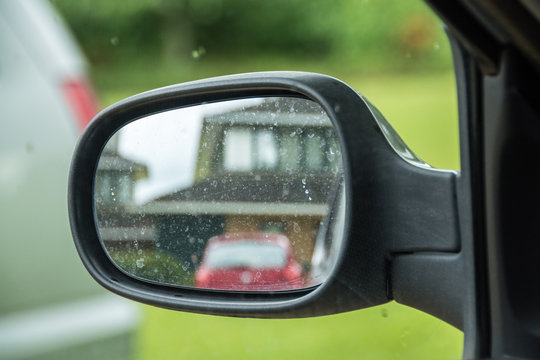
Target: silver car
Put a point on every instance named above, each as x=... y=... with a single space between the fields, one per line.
x=49 y=306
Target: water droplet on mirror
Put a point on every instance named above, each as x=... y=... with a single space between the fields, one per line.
x=139 y=251
x=304 y=181
x=140 y=263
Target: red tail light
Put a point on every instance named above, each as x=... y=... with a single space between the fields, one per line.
x=202 y=278
x=292 y=272
x=81 y=98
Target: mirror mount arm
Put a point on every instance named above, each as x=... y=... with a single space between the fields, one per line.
x=431 y=282
x=425 y=265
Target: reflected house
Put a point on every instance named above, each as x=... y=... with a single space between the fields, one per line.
x=114 y=189
x=265 y=168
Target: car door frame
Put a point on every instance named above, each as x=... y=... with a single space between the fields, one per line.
x=497 y=68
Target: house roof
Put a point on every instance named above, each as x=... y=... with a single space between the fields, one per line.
x=260 y=188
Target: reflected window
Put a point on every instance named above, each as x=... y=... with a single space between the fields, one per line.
x=124 y=189
x=114 y=187
x=104 y=187
x=267 y=152
x=315 y=151
x=290 y=151
x=237 y=152
x=245 y=149
x=246 y=254
x=333 y=155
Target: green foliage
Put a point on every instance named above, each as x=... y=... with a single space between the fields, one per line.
x=401 y=34
x=110 y=30
x=154 y=265
x=279 y=26
x=388 y=35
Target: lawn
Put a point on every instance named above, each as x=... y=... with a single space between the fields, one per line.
x=422 y=108
x=389 y=331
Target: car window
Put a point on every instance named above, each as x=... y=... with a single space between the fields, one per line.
x=393 y=52
x=245 y=254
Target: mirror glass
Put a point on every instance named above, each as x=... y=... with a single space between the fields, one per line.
x=241 y=195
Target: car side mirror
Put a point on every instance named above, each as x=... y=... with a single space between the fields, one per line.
x=281 y=194
x=226 y=195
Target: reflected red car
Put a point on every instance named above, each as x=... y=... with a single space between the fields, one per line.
x=249 y=262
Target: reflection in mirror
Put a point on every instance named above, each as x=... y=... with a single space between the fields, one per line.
x=243 y=195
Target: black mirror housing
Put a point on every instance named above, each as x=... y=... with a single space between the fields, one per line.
x=395 y=205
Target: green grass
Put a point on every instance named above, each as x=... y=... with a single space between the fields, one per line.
x=390 y=331
x=423 y=109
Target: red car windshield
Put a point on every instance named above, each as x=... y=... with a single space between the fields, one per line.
x=246 y=254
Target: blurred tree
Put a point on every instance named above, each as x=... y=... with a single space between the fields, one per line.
x=393 y=34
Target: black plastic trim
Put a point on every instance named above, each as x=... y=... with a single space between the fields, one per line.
x=392 y=205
